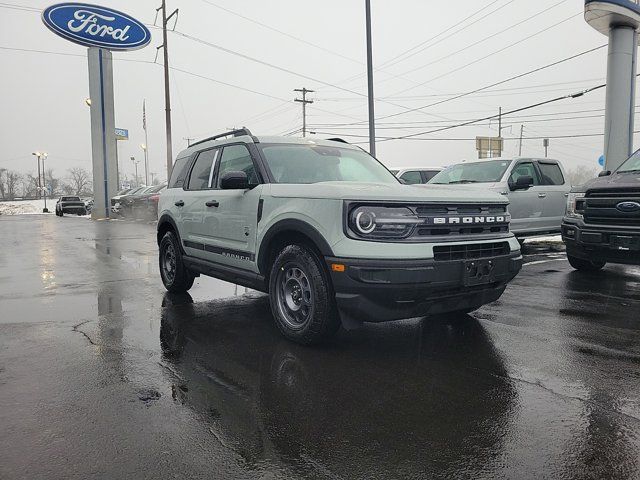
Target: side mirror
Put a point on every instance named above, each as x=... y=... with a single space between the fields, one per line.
x=234 y=181
x=522 y=183
x=604 y=173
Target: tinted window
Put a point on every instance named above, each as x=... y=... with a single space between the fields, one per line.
x=70 y=199
x=523 y=169
x=295 y=163
x=551 y=174
x=429 y=174
x=236 y=158
x=202 y=170
x=412 y=177
x=178 y=173
x=474 y=172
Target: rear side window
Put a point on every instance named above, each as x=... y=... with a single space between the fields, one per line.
x=236 y=158
x=429 y=174
x=178 y=174
x=413 y=177
x=524 y=169
x=202 y=170
x=551 y=174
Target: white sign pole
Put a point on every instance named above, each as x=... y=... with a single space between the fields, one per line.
x=103 y=138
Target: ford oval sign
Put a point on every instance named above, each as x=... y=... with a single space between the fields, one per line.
x=628 y=207
x=96 y=26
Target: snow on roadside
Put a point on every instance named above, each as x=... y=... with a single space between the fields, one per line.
x=28 y=207
x=545 y=239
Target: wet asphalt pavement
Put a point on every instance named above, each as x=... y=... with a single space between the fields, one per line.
x=104 y=375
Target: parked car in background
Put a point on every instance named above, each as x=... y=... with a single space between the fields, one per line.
x=537 y=189
x=116 y=199
x=415 y=175
x=70 y=204
x=88 y=203
x=602 y=223
x=145 y=204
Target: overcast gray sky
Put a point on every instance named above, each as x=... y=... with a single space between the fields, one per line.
x=324 y=43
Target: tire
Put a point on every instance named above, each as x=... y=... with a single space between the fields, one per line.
x=583 y=265
x=175 y=275
x=302 y=299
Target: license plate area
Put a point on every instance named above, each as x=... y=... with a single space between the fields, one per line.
x=624 y=242
x=479 y=272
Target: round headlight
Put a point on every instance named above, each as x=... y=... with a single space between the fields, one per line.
x=365 y=222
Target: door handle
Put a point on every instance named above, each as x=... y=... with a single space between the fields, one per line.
x=179 y=203
x=542 y=195
x=212 y=203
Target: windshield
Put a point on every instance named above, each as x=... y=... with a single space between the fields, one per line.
x=632 y=164
x=70 y=199
x=295 y=163
x=476 y=172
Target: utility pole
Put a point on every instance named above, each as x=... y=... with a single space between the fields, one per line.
x=167 y=95
x=135 y=162
x=188 y=139
x=372 y=124
x=521 y=133
x=304 y=102
x=545 y=144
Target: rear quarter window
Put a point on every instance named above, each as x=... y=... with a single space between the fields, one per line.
x=179 y=172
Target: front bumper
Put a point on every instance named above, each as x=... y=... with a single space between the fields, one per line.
x=612 y=244
x=381 y=290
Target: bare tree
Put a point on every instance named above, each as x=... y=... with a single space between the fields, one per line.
x=12 y=181
x=3 y=185
x=79 y=180
x=29 y=186
x=51 y=182
x=580 y=174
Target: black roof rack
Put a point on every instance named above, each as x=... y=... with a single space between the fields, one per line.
x=235 y=133
x=336 y=139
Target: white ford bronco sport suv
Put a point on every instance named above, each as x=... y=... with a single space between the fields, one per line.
x=329 y=233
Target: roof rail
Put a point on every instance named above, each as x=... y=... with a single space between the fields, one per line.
x=336 y=139
x=235 y=133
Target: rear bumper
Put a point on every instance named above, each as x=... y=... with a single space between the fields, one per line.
x=75 y=209
x=381 y=290
x=599 y=243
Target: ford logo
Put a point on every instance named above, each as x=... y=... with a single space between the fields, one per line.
x=628 y=207
x=95 y=26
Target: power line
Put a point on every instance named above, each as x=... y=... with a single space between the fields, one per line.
x=482 y=40
x=495 y=84
x=416 y=49
x=463 y=139
x=477 y=60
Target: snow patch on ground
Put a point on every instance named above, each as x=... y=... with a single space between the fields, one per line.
x=545 y=239
x=25 y=207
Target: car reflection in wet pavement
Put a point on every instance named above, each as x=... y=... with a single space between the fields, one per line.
x=105 y=375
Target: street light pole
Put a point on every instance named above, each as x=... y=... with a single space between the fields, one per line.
x=146 y=162
x=38 y=186
x=372 y=126
x=44 y=177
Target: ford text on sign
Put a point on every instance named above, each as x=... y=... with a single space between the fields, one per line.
x=96 y=26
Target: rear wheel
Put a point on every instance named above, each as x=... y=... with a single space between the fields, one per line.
x=302 y=300
x=176 y=277
x=585 y=265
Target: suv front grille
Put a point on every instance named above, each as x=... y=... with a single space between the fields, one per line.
x=461 y=219
x=469 y=252
x=601 y=207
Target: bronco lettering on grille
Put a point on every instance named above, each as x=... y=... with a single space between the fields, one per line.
x=470 y=220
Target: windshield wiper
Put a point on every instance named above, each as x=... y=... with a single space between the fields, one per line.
x=463 y=181
x=635 y=170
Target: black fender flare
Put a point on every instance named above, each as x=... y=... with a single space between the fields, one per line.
x=163 y=220
x=295 y=225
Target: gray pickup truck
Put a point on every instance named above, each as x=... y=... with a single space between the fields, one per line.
x=537 y=189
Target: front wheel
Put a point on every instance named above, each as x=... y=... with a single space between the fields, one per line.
x=585 y=265
x=175 y=275
x=302 y=300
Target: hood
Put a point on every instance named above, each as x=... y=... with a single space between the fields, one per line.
x=386 y=192
x=615 y=180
